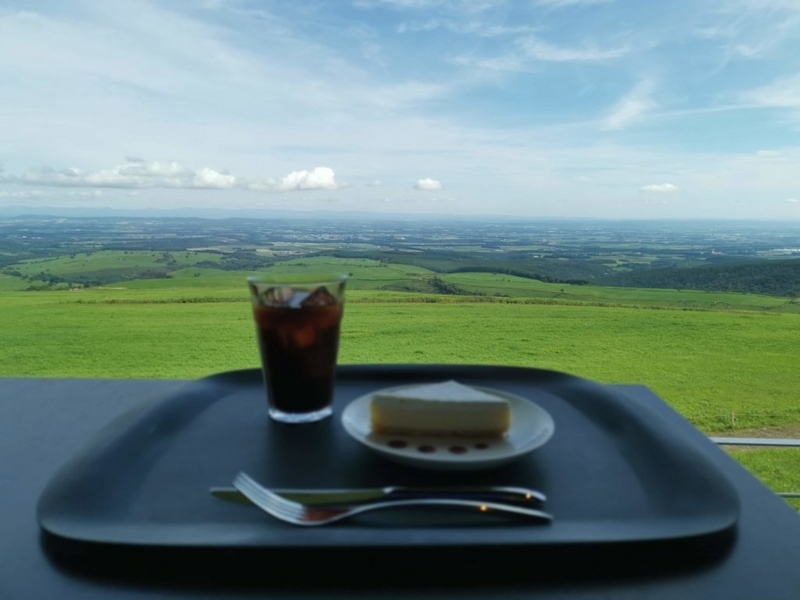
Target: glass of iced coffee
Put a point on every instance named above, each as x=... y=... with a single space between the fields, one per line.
x=297 y=319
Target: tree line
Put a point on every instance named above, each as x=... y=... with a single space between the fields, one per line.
x=769 y=277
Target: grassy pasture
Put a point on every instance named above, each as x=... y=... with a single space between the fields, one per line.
x=9 y=283
x=492 y=284
x=104 y=260
x=195 y=280
x=730 y=365
x=719 y=369
x=777 y=468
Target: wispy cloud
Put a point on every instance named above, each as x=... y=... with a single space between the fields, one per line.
x=509 y=63
x=659 y=188
x=469 y=6
x=632 y=107
x=536 y=48
x=405 y=95
x=529 y=50
x=569 y=3
x=784 y=92
x=472 y=27
x=401 y=4
x=753 y=29
x=21 y=194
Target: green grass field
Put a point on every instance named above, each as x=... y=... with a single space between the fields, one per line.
x=722 y=360
x=104 y=260
x=492 y=284
x=716 y=368
x=777 y=468
x=726 y=362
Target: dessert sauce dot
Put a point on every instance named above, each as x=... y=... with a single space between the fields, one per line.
x=457 y=449
x=427 y=449
x=481 y=445
x=398 y=443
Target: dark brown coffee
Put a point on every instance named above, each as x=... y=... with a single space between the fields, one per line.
x=299 y=342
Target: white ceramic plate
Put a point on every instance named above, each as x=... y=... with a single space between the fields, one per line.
x=531 y=427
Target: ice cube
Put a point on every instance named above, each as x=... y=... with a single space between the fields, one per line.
x=277 y=296
x=296 y=301
x=318 y=298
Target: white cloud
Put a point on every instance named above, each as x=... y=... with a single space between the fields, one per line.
x=173 y=175
x=428 y=185
x=632 y=107
x=210 y=178
x=156 y=174
x=794 y=200
x=320 y=178
x=659 y=188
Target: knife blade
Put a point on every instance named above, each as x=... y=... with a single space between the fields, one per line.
x=320 y=497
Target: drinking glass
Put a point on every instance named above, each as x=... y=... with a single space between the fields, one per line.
x=297 y=319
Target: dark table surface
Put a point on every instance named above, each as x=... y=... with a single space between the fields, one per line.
x=44 y=421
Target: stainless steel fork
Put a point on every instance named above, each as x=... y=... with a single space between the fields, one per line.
x=299 y=514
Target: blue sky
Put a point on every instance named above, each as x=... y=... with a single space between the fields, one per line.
x=535 y=108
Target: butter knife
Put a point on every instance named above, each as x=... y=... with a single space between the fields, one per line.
x=320 y=497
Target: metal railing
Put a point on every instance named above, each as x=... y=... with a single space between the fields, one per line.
x=772 y=442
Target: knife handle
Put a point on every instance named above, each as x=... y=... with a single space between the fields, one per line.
x=496 y=494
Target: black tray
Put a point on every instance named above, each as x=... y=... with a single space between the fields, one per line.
x=616 y=470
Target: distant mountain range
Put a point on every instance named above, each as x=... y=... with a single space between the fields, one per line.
x=243 y=213
x=253 y=213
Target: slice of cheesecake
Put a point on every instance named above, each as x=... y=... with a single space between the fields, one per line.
x=447 y=408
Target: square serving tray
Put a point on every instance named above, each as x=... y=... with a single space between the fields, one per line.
x=616 y=470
